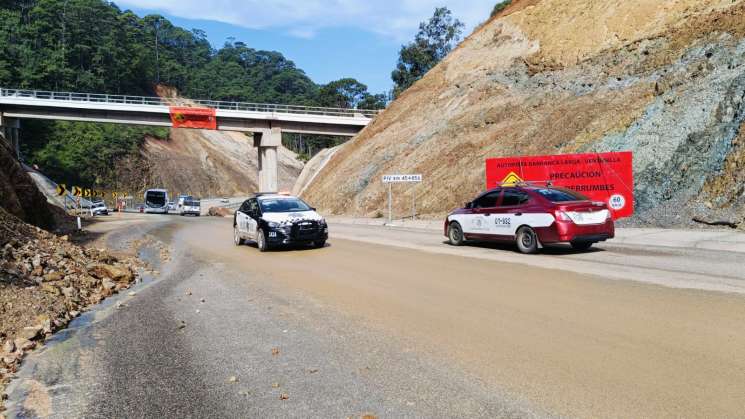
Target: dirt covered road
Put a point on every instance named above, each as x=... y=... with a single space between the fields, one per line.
x=394 y=331
x=576 y=345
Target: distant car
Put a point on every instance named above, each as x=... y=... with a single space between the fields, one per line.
x=224 y=200
x=99 y=208
x=171 y=206
x=140 y=208
x=191 y=207
x=272 y=220
x=180 y=201
x=531 y=216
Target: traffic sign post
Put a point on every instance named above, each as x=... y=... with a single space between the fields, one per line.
x=390 y=180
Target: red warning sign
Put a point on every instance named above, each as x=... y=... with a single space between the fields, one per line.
x=606 y=177
x=185 y=117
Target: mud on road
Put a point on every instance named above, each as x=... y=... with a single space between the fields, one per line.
x=396 y=332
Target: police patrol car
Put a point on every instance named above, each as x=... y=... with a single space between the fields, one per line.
x=277 y=219
x=531 y=215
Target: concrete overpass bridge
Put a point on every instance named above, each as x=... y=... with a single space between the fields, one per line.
x=265 y=121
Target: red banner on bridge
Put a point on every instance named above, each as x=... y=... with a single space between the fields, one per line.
x=606 y=177
x=185 y=117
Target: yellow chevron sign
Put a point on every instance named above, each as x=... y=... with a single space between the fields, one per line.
x=76 y=191
x=511 y=179
x=61 y=189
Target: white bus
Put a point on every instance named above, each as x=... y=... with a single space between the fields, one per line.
x=156 y=201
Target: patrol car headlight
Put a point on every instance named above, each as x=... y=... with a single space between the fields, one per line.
x=322 y=222
x=272 y=224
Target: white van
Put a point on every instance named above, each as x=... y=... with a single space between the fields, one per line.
x=191 y=206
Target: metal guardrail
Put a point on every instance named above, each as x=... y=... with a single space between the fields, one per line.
x=157 y=101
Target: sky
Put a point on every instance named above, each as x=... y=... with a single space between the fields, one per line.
x=329 y=39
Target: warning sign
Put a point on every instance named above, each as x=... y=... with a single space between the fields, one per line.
x=511 y=179
x=185 y=117
x=606 y=177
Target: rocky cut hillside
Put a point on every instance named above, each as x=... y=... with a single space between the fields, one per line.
x=664 y=79
x=203 y=163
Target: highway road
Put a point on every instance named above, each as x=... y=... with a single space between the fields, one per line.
x=395 y=323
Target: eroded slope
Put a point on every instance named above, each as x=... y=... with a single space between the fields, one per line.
x=663 y=79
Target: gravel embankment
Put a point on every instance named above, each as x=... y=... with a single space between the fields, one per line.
x=45 y=282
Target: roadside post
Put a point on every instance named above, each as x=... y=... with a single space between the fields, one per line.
x=77 y=212
x=390 y=180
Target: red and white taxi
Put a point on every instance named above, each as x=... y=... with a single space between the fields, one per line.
x=531 y=216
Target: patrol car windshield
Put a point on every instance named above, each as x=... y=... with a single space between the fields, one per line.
x=561 y=195
x=283 y=205
x=191 y=203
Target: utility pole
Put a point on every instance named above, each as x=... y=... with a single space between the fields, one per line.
x=390 y=204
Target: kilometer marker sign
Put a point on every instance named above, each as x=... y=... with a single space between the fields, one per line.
x=402 y=178
x=606 y=177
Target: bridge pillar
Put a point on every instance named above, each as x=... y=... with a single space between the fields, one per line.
x=9 y=128
x=267 y=140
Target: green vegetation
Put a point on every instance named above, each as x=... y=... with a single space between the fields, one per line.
x=93 y=46
x=435 y=39
x=349 y=93
x=86 y=154
x=500 y=6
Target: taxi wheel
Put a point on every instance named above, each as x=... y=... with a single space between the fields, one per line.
x=455 y=234
x=261 y=241
x=527 y=240
x=581 y=245
x=237 y=240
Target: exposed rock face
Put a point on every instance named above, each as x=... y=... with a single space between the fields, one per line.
x=18 y=192
x=312 y=168
x=206 y=164
x=663 y=79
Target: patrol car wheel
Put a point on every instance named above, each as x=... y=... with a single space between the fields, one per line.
x=261 y=241
x=527 y=241
x=455 y=234
x=237 y=236
x=319 y=244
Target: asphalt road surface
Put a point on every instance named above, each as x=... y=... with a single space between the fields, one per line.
x=395 y=323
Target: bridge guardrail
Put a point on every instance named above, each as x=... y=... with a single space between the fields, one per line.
x=216 y=104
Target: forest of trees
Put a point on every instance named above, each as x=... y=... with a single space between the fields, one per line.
x=93 y=46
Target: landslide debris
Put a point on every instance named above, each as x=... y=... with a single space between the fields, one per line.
x=220 y=212
x=45 y=282
x=203 y=163
x=665 y=80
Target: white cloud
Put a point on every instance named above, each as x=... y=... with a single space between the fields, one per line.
x=397 y=19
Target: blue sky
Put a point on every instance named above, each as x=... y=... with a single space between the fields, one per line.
x=329 y=39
